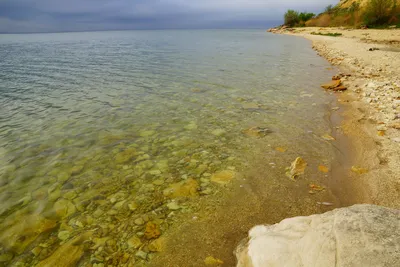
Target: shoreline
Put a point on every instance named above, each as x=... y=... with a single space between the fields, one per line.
x=371 y=119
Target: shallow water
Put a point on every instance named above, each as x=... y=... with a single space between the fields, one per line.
x=119 y=135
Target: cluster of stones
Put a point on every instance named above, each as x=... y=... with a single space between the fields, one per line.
x=112 y=215
x=376 y=85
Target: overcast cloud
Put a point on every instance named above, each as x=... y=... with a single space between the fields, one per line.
x=86 y=15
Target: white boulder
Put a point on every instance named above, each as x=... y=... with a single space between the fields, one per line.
x=361 y=235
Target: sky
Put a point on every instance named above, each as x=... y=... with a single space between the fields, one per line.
x=17 y=16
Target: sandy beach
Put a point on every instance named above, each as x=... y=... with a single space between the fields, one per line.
x=372 y=106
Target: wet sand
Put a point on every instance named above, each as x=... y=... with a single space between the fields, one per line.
x=359 y=144
x=373 y=106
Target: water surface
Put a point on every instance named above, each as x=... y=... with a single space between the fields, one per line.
x=119 y=135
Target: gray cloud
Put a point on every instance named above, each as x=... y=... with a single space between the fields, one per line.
x=81 y=15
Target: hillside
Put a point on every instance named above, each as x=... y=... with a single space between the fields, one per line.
x=362 y=3
x=357 y=13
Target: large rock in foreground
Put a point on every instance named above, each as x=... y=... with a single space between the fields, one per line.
x=361 y=235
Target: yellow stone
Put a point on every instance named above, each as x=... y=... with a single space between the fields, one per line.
x=67 y=254
x=332 y=84
x=213 y=261
x=281 y=149
x=187 y=188
x=152 y=230
x=328 y=137
x=223 y=177
x=323 y=168
x=297 y=168
x=358 y=170
x=157 y=245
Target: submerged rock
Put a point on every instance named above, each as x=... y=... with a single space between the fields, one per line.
x=223 y=177
x=152 y=230
x=297 y=168
x=187 y=188
x=218 y=132
x=213 y=261
x=134 y=242
x=257 y=132
x=67 y=254
x=20 y=232
x=157 y=245
x=64 y=208
x=125 y=156
x=250 y=105
x=361 y=235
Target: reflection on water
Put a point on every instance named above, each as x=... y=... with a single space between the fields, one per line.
x=107 y=139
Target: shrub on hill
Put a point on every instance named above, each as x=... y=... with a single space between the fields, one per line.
x=291 y=18
x=379 y=11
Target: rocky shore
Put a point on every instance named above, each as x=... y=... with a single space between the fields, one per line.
x=361 y=235
x=370 y=93
x=371 y=58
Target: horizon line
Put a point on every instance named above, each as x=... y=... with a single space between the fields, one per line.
x=120 y=30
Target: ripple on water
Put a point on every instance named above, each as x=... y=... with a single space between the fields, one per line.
x=111 y=141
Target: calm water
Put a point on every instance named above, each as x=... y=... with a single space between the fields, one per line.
x=112 y=138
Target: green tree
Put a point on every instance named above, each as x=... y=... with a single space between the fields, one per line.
x=378 y=12
x=291 y=18
x=304 y=16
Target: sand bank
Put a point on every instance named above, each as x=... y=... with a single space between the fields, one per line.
x=372 y=116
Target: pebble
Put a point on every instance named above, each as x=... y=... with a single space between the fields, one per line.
x=134 y=242
x=158 y=182
x=141 y=254
x=64 y=235
x=6 y=257
x=173 y=206
x=132 y=206
x=36 y=251
x=155 y=172
x=139 y=221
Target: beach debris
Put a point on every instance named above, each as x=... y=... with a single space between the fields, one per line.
x=373 y=49
x=325 y=203
x=314 y=188
x=328 y=137
x=358 y=170
x=223 y=177
x=213 y=261
x=281 y=149
x=257 y=132
x=296 y=168
x=323 y=168
x=381 y=133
